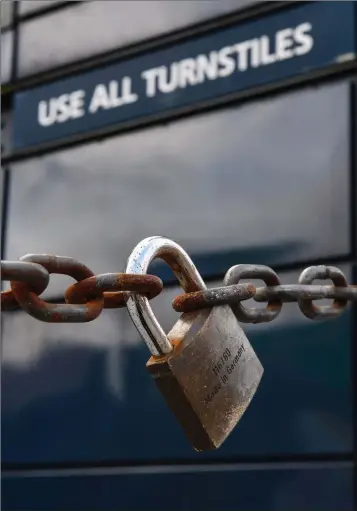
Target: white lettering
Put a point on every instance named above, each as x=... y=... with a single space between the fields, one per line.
x=207 y=67
x=100 y=99
x=63 y=108
x=46 y=113
x=59 y=110
x=114 y=96
x=255 y=52
x=265 y=56
x=76 y=100
x=243 y=52
x=150 y=76
x=283 y=44
x=167 y=84
x=187 y=73
x=304 y=40
x=226 y=61
x=221 y=63
x=127 y=95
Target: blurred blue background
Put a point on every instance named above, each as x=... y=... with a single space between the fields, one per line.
x=258 y=167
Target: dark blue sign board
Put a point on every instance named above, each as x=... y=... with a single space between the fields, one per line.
x=273 y=48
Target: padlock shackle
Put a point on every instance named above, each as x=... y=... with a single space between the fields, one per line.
x=138 y=305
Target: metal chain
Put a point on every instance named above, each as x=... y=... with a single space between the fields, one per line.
x=274 y=293
x=85 y=300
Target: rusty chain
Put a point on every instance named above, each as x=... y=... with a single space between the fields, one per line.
x=85 y=300
x=274 y=293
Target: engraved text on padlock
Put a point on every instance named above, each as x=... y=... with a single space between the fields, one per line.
x=205 y=367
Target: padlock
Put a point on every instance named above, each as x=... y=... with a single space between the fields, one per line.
x=205 y=367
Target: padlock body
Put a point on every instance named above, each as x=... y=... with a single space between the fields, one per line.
x=210 y=377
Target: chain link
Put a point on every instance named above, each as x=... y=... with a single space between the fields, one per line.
x=275 y=294
x=85 y=300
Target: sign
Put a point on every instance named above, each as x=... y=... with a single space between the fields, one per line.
x=279 y=46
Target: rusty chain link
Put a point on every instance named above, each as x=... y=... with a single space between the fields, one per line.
x=85 y=300
x=275 y=294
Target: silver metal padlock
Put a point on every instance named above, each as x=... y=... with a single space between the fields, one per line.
x=205 y=367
